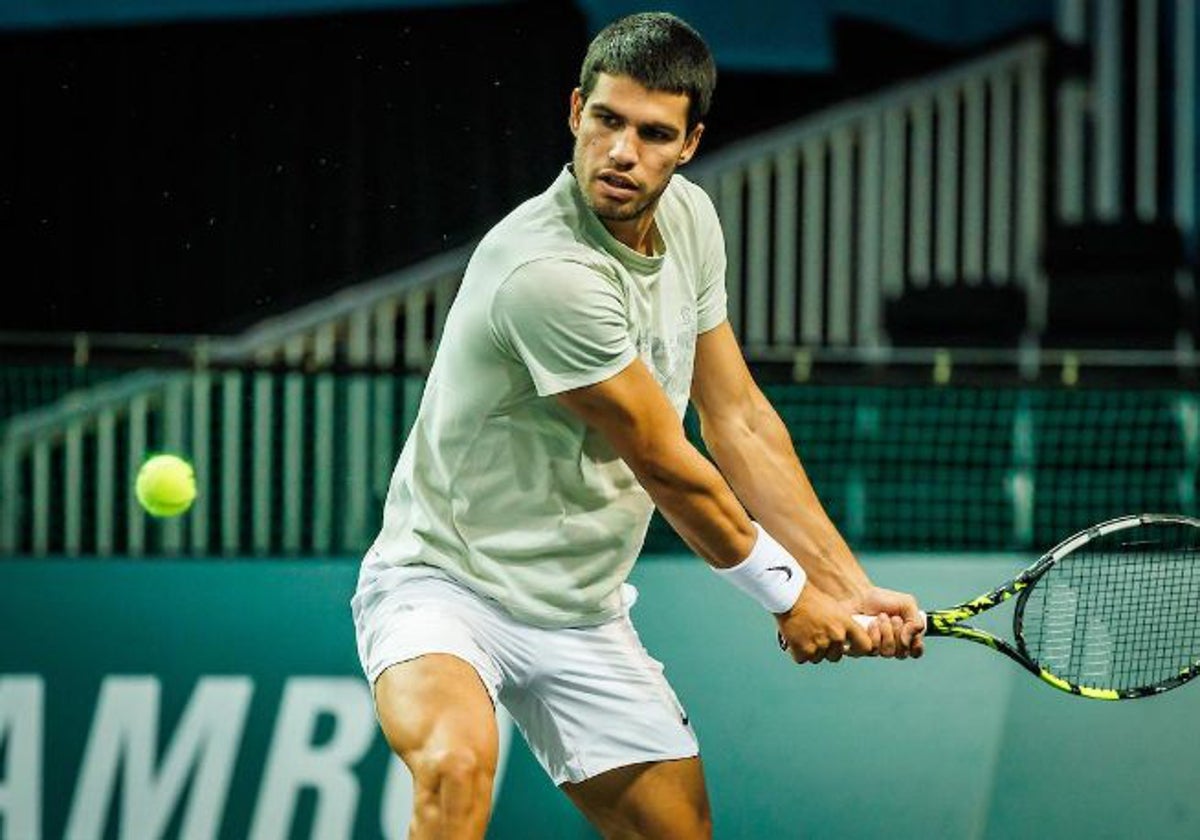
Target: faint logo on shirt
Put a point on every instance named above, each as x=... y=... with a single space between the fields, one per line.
x=670 y=358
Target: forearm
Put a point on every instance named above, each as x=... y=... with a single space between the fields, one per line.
x=698 y=503
x=633 y=414
x=756 y=456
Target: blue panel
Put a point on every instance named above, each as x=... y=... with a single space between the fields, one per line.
x=958 y=22
x=779 y=36
x=21 y=14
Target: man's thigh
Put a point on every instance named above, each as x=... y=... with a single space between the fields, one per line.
x=435 y=704
x=437 y=716
x=434 y=686
x=665 y=800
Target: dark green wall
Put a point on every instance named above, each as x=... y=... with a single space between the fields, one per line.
x=959 y=744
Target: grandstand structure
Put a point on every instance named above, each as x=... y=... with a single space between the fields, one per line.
x=971 y=295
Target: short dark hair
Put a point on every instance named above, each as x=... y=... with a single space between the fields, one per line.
x=660 y=52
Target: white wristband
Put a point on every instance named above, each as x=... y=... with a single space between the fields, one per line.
x=769 y=574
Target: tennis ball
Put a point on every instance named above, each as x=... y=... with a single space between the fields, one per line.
x=166 y=485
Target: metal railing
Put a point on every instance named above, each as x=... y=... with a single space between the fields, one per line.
x=1150 y=77
x=938 y=181
x=287 y=462
x=297 y=464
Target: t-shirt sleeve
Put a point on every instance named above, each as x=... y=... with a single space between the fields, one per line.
x=564 y=322
x=710 y=300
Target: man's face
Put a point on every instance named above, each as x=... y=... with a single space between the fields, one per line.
x=628 y=141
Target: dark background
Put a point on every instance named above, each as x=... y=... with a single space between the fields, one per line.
x=196 y=177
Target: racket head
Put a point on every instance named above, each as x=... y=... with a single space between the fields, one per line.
x=1113 y=612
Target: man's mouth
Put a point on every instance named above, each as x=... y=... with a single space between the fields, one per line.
x=617 y=185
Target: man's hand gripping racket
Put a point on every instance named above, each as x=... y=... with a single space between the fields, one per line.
x=1110 y=613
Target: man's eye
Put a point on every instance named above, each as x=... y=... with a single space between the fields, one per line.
x=610 y=121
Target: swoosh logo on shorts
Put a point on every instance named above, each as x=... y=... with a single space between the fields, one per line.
x=783 y=569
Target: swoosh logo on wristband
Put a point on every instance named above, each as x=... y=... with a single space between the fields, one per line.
x=783 y=569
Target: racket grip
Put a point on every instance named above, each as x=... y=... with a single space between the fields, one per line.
x=864 y=621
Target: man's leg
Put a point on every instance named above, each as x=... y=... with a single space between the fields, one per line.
x=664 y=800
x=438 y=717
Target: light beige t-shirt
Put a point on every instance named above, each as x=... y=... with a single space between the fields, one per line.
x=498 y=484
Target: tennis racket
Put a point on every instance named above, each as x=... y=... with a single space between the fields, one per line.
x=1110 y=613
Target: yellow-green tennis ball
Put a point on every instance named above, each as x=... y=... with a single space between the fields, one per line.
x=166 y=485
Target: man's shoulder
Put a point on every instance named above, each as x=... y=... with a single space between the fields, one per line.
x=685 y=197
x=511 y=248
x=542 y=228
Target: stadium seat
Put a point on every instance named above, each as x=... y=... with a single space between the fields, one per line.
x=957 y=316
x=1113 y=286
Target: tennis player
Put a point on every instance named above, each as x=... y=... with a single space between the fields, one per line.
x=550 y=428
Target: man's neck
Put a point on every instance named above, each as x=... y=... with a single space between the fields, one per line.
x=635 y=234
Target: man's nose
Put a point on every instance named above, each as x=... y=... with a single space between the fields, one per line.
x=624 y=149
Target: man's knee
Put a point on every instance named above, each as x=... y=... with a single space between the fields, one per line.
x=459 y=765
x=454 y=779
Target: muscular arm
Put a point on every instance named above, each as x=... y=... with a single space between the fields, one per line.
x=634 y=415
x=755 y=453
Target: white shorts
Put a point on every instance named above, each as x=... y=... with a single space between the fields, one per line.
x=586 y=699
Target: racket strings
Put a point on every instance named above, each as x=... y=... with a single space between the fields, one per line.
x=1122 y=611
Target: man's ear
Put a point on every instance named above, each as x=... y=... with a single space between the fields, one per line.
x=576 y=115
x=690 y=144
